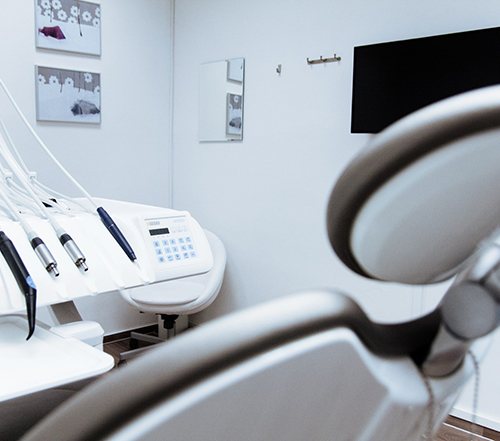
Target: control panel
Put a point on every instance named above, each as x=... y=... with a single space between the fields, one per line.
x=178 y=246
x=172 y=240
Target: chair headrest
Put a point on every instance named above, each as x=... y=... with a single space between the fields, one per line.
x=413 y=206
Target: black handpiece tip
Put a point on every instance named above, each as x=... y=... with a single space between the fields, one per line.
x=31 y=313
x=31 y=332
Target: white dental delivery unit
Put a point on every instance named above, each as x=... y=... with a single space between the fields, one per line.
x=39 y=374
x=168 y=244
x=54 y=249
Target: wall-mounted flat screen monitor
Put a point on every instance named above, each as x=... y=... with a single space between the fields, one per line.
x=391 y=80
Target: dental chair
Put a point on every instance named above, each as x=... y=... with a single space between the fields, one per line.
x=178 y=297
x=419 y=205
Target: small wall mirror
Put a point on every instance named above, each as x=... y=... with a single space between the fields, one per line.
x=221 y=100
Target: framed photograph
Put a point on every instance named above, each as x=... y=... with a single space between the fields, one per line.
x=68 y=95
x=234 y=120
x=68 y=25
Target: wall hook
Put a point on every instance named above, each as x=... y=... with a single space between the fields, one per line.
x=322 y=60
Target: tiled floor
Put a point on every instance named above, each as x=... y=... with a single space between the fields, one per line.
x=453 y=429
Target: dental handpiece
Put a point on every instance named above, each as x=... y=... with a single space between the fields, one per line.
x=45 y=256
x=109 y=223
x=23 y=279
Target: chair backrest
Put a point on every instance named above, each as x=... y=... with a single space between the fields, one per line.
x=291 y=369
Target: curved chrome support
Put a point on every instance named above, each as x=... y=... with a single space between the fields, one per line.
x=469 y=310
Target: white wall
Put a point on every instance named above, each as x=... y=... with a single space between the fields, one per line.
x=127 y=156
x=266 y=196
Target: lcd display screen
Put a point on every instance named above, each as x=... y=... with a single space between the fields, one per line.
x=391 y=80
x=158 y=231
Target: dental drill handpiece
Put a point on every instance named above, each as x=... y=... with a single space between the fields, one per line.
x=23 y=279
x=109 y=223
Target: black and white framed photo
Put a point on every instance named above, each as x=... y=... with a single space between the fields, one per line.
x=68 y=95
x=68 y=25
x=234 y=121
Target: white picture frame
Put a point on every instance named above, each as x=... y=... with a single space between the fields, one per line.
x=64 y=95
x=68 y=25
x=234 y=118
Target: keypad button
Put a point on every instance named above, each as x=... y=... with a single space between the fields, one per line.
x=164 y=242
x=190 y=247
x=184 y=248
x=158 y=251
x=170 y=258
x=185 y=255
x=167 y=250
x=181 y=240
x=156 y=243
x=175 y=249
x=177 y=256
x=173 y=241
x=188 y=240
x=192 y=253
x=161 y=259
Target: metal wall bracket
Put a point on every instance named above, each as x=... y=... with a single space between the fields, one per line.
x=322 y=60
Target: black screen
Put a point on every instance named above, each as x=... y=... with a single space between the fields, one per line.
x=159 y=231
x=391 y=80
